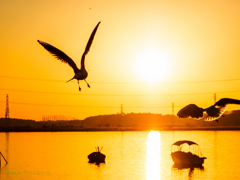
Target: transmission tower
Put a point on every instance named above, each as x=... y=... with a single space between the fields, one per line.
x=121 y=112
x=173 y=108
x=7 y=108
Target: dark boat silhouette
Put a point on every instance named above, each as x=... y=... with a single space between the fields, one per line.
x=96 y=157
x=192 y=158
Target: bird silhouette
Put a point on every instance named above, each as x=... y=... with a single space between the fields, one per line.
x=211 y=113
x=80 y=74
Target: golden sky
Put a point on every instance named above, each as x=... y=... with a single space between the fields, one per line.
x=145 y=55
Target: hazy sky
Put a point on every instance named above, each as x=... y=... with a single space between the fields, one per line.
x=145 y=55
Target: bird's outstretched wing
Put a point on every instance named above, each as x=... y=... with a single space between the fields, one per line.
x=59 y=55
x=89 y=44
x=191 y=111
x=225 y=101
x=216 y=111
x=211 y=113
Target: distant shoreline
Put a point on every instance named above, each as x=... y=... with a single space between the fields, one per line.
x=217 y=128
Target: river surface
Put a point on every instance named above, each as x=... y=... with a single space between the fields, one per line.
x=143 y=155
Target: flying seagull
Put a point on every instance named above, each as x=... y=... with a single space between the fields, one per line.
x=80 y=74
x=211 y=113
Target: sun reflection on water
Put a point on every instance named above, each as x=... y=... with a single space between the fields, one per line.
x=153 y=156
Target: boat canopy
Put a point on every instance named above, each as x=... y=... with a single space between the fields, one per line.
x=179 y=143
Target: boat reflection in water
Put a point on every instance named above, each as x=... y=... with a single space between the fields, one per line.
x=181 y=172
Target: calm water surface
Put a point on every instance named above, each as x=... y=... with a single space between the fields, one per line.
x=130 y=155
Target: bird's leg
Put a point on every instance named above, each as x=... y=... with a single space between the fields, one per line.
x=87 y=83
x=79 y=86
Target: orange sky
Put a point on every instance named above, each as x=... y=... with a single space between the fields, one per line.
x=145 y=55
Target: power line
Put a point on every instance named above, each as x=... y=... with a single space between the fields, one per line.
x=80 y=94
x=176 y=82
x=78 y=106
x=31 y=79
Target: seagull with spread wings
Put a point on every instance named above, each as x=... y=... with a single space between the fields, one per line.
x=80 y=74
x=211 y=113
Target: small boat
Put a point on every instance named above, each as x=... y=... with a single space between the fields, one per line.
x=189 y=157
x=96 y=157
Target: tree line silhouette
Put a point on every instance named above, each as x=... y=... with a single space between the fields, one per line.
x=137 y=121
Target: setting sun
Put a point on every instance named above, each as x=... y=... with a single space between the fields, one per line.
x=152 y=65
x=145 y=55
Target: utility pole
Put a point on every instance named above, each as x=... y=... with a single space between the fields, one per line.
x=7 y=108
x=173 y=118
x=215 y=98
x=173 y=108
x=121 y=112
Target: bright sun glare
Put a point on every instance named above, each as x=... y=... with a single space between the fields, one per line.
x=152 y=65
